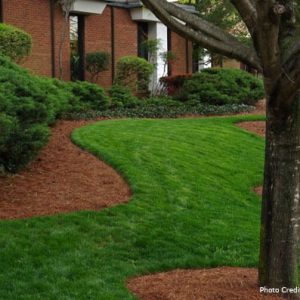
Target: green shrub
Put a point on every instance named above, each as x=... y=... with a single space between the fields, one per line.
x=28 y=97
x=122 y=97
x=89 y=96
x=14 y=43
x=26 y=110
x=222 y=86
x=134 y=72
x=96 y=62
x=29 y=104
x=19 y=142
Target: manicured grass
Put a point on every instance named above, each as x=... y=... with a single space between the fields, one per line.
x=192 y=207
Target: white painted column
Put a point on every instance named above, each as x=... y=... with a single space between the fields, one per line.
x=159 y=31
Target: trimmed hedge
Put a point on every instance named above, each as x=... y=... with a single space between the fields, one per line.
x=14 y=43
x=134 y=72
x=29 y=104
x=218 y=86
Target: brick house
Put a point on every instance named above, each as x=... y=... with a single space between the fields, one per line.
x=114 y=26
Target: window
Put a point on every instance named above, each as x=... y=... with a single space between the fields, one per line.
x=142 y=37
x=1 y=11
x=77 y=47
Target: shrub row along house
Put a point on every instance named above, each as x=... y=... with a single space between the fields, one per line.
x=118 y=27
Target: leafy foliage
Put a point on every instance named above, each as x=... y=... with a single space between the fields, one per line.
x=151 y=46
x=225 y=16
x=223 y=86
x=134 y=73
x=14 y=43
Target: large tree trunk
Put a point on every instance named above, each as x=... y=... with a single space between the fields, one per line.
x=280 y=208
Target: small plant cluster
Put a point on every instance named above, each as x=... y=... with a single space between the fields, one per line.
x=29 y=104
x=218 y=86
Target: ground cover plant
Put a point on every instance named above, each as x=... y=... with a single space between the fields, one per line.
x=192 y=206
x=159 y=109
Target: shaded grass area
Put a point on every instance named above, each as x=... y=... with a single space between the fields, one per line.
x=192 y=207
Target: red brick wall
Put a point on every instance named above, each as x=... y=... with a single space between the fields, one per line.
x=34 y=17
x=178 y=47
x=98 y=38
x=125 y=34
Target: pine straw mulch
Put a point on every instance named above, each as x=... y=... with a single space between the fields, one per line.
x=63 y=178
x=225 y=283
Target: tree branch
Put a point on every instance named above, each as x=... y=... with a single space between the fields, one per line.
x=199 y=32
x=198 y=23
x=267 y=33
x=248 y=13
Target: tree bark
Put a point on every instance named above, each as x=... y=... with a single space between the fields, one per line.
x=281 y=194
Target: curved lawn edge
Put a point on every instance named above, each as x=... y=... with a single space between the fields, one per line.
x=107 y=159
x=52 y=184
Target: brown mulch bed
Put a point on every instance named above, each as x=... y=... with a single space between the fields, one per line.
x=63 y=178
x=224 y=283
x=258 y=127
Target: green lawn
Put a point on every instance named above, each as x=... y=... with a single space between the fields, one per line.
x=192 y=207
